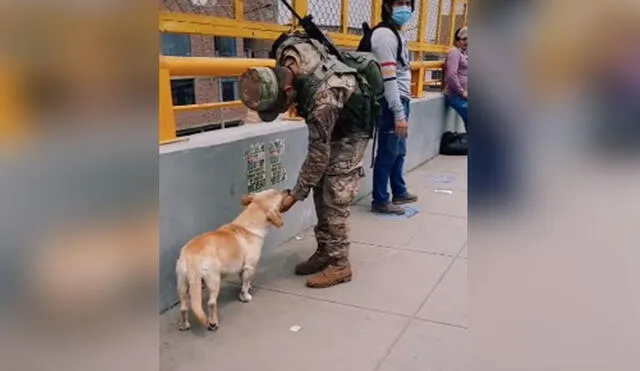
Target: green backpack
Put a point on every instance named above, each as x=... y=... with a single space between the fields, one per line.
x=363 y=108
x=364 y=104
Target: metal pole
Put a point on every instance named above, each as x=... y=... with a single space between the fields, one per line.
x=345 y=16
x=452 y=20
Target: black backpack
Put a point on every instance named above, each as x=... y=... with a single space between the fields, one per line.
x=365 y=42
x=453 y=144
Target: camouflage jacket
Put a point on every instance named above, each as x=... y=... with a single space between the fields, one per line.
x=326 y=106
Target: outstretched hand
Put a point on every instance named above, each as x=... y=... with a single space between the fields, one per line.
x=287 y=202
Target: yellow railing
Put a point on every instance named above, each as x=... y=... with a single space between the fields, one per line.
x=431 y=31
x=218 y=67
x=13 y=108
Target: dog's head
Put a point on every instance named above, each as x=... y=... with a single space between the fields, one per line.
x=269 y=202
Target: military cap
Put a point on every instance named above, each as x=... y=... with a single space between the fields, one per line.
x=259 y=91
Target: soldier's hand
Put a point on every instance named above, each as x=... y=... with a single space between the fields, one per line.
x=402 y=128
x=287 y=202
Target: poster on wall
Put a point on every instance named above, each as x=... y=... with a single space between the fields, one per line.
x=277 y=169
x=256 y=167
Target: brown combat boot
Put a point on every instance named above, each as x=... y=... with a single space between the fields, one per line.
x=332 y=275
x=316 y=263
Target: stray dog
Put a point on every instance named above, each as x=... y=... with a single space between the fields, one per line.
x=233 y=248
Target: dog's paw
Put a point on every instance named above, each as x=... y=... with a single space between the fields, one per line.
x=213 y=327
x=184 y=327
x=245 y=297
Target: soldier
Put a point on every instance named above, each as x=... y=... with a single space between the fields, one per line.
x=321 y=87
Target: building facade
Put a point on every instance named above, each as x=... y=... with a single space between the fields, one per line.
x=197 y=90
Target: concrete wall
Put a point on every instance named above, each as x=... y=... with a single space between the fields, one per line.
x=202 y=179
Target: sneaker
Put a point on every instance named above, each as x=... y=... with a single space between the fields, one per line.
x=332 y=275
x=388 y=208
x=407 y=199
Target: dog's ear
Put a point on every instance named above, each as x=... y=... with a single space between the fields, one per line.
x=246 y=199
x=275 y=218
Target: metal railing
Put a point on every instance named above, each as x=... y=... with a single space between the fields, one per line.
x=430 y=31
x=201 y=66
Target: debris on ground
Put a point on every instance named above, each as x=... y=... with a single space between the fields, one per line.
x=444 y=191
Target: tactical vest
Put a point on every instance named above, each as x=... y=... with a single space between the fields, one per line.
x=362 y=111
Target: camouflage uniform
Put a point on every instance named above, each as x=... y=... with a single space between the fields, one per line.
x=325 y=90
x=333 y=167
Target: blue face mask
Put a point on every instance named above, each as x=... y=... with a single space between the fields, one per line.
x=401 y=15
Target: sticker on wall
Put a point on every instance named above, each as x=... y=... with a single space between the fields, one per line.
x=276 y=158
x=256 y=167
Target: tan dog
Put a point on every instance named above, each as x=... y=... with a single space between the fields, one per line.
x=232 y=249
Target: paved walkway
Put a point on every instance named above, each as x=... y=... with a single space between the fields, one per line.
x=406 y=308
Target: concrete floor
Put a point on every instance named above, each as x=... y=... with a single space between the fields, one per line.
x=406 y=308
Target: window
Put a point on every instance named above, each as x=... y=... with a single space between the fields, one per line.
x=183 y=92
x=228 y=90
x=248 y=47
x=175 y=44
x=225 y=46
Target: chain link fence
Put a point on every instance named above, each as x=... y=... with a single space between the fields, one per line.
x=284 y=15
x=359 y=12
x=414 y=24
x=432 y=22
x=459 y=15
x=327 y=14
x=267 y=11
x=445 y=23
x=215 y=8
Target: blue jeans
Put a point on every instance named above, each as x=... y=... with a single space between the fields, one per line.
x=460 y=105
x=389 y=163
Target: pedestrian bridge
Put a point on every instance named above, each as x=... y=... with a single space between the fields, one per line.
x=406 y=306
x=202 y=176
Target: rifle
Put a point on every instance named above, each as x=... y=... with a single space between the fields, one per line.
x=313 y=31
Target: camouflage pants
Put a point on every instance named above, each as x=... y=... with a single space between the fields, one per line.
x=335 y=193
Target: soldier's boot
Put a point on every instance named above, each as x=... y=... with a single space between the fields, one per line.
x=334 y=274
x=316 y=263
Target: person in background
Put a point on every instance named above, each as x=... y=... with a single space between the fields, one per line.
x=389 y=45
x=456 y=75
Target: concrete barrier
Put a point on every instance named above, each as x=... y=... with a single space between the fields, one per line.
x=202 y=179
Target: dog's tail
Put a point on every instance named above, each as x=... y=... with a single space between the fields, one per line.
x=195 y=295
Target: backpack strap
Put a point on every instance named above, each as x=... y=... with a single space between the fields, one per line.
x=393 y=29
x=365 y=41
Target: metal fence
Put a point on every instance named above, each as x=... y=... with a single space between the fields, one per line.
x=429 y=30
